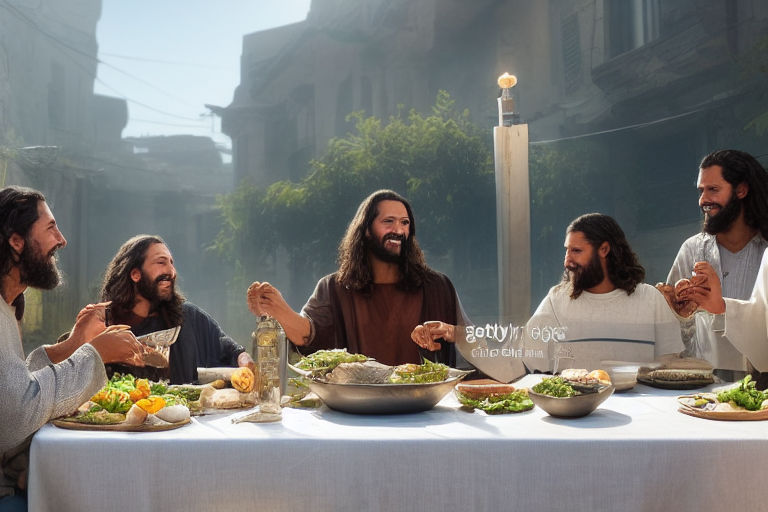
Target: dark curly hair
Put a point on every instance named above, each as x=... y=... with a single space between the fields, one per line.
x=120 y=289
x=740 y=167
x=354 y=268
x=18 y=212
x=624 y=269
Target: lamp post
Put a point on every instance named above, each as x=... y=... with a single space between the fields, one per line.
x=513 y=217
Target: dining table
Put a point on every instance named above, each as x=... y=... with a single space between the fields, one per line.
x=636 y=452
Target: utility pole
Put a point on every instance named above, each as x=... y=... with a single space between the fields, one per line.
x=513 y=212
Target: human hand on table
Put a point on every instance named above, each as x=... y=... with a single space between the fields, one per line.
x=709 y=297
x=424 y=335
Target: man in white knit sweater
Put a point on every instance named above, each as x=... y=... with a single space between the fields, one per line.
x=54 y=379
x=601 y=310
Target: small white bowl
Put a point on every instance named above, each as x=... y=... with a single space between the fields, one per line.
x=623 y=373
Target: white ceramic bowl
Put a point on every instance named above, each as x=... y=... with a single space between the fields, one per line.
x=623 y=373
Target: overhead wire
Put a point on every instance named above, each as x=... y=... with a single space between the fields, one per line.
x=159 y=61
x=20 y=15
x=619 y=129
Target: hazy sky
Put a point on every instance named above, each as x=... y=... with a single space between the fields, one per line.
x=169 y=58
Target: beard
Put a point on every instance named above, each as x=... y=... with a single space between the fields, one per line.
x=583 y=278
x=379 y=250
x=150 y=289
x=722 y=221
x=36 y=269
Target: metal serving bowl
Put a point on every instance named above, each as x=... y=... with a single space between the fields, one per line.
x=385 y=398
x=571 y=407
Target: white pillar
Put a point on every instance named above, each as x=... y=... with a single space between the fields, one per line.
x=513 y=222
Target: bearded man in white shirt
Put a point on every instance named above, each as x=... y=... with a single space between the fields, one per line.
x=601 y=310
x=733 y=196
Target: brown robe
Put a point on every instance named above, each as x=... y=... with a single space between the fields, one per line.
x=334 y=314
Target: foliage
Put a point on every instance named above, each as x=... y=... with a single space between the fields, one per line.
x=439 y=161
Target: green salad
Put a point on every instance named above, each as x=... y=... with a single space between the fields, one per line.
x=419 y=373
x=517 y=401
x=329 y=359
x=745 y=395
x=555 y=386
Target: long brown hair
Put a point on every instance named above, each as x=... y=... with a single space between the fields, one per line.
x=354 y=267
x=740 y=167
x=18 y=211
x=624 y=268
x=120 y=289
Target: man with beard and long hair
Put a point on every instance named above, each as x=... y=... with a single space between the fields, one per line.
x=601 y=310
x=140 y=285
x=382 y=291
x=53 y=380
x=733 y=197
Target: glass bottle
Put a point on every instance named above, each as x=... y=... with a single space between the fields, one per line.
x=268 y=340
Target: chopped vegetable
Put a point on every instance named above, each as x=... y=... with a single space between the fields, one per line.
x=555 y=386
x=419 y=373
x=151 y=404
x=158 y=388
x=97 y=416
x=142 y=390
x=113 y=400
x=188 y=393
x=329 y=359
x=744 y=395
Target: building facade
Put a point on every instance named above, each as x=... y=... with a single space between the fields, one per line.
x=627 y=94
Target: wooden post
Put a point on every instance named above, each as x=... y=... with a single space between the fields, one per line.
x=513 y=222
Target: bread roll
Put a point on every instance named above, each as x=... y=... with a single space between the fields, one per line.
x=601 y=376
x=483 y=388
x=243 y=380
x=135 y=416
x=173 y=413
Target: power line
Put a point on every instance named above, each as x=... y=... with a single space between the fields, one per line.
x=15 y=11
x=170 y=124
x=158 y=61
x=619 y=129
x=135 y=102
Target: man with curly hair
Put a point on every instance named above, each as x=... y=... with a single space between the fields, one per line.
x=140 y=287
x=52 y=380
x=601 y=310
x=733 y=197
x=382 y=291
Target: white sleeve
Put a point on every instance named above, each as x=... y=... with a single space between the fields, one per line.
x=538 y=355
x=745 y=321
x=667 y=328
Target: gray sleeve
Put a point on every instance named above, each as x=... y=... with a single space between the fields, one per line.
x=31 y=397
x=683 y=264
x=318 y=309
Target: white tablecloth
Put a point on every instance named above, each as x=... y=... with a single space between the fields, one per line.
x=636 y=452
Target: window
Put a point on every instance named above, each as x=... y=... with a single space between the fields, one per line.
x=630 y=24
x=571 y=53
x=57 y=95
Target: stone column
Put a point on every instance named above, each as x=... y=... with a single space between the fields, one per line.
x=513 y=222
